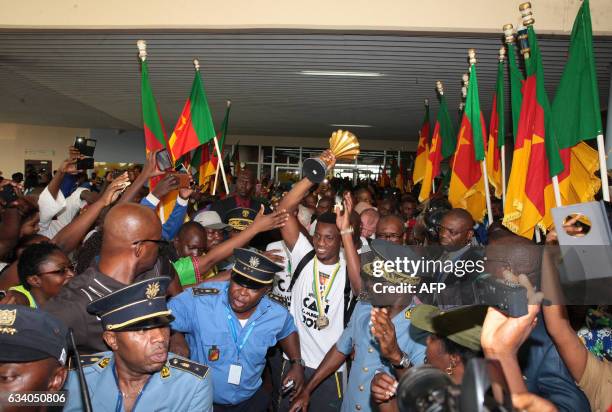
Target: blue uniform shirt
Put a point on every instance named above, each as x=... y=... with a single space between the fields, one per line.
x=206 y=318
x=181 y=385
x=368 y=360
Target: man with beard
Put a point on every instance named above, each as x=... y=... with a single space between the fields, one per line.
x=139 y=374
x=229 y=326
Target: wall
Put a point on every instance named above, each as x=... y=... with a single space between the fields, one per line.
x=119 y=146
x=19 y=142
x=487 y=16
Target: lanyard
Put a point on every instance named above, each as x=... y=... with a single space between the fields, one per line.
x=232 y=327
x=316 y=282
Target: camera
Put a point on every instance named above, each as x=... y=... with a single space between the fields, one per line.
x=427 y=389
x=86 y=147
x=509 y=298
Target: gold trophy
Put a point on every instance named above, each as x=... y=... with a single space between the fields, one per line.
x=343 y=144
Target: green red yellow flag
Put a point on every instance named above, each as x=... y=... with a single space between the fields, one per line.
x=442 y=146
x=208 y=167
x=577 y=114
x=195 y=125
x=516 y=86
x=467 y=186
x=530 y=195
x=420 y=161
x=496 y=133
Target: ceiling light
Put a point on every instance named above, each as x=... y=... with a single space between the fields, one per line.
x=340 y=73
x=351 y=125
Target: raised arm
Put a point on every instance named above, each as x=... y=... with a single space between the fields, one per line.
x=71 y=235
x=149 y=171
x=353 y=264
x=262 y=223
x=291 y=230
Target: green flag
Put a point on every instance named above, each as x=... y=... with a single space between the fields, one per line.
x=576 y=110
x=447 y=129
x=516 y=84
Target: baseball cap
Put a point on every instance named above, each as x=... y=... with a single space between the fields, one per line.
x=210 y=220
x=28 y=335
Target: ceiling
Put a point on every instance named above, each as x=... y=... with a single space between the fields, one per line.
x=91 y=79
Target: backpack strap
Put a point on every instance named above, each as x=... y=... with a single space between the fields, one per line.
x=298 y=269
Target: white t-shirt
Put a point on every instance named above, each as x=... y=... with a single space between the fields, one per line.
x=282 y=279
x=315 y=343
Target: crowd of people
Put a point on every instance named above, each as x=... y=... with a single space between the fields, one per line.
x=267 y=298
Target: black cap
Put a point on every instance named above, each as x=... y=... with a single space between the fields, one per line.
x=141 y=305
x=240 y=218
x=28 y=335
x=253 y=270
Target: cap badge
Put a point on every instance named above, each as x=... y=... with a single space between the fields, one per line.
x=245 y=213
x=7 y=318
x=152 y=290
x=254 y=261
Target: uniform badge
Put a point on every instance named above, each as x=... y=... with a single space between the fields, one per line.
x=213 y=353
x=408 y=313
x=104 y=363
x=152 y=290
x=165 y=372
x=7 y=318
x=254 y=261
x=245 y=213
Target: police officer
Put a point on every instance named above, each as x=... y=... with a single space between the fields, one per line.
x=230 y=326
x=32 y=355
x=139 y=374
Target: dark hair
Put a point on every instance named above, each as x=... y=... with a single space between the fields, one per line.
x=31 y=258
x=327 y=217
x=453 y=348
x=189 y=226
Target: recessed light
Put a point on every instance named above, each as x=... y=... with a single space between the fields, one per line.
x=351 y=125
x=340 y=73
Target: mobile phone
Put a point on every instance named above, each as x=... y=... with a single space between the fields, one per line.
x=8 y=194
x=288 y=386
x=116 y=173
x=85 y=164
x=85 y=146
x=164 y=162
x=183 y=180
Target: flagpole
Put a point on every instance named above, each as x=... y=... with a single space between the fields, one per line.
x=605 y=189
x=503 y=172
x=557 y=191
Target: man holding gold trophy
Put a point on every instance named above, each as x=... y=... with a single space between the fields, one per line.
x=320 y=289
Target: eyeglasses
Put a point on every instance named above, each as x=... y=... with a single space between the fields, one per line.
x=61 y=271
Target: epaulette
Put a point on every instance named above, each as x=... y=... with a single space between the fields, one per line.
x=90 y=360
x=278 y=299
x=190 y=366
x=205 y=291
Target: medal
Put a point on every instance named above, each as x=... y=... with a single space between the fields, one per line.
x=322 y=322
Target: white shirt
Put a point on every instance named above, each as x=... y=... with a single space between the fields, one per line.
x=66 y=209
x=282 y=279
x=315 y=343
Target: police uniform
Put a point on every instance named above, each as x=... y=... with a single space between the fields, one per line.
x=180 y=385
x=236 y=353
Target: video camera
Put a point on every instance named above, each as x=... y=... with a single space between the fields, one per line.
x=427 y=389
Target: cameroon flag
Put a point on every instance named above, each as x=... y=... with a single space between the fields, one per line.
x=577 y=115
x=516 y=85
x=467 y=186
x=208 y=165
x=195 y=125
x=496 y=134
x=530 y=196
x=442 y=146
x=420 y=162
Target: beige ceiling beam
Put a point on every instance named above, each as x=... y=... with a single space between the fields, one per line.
x=442 y=16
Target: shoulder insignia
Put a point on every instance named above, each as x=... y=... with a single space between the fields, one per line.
x=278 y=299
x=90 y=360
x=204 y=291
x=165 y=372
x=408 y=313
x=190 y=366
